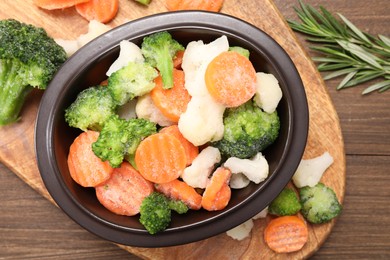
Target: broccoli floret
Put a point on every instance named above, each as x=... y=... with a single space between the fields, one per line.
x=240 y=50
x=319 y=203
x=248 y=130
x=155 y=213
x=144 y=2
x=28 y=59
x=285 y=204
x=133 y=80
x=159 y=49
x=92 y=107
x=120 y=138
x=178 y=206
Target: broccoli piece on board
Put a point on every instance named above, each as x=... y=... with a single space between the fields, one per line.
x=159 y=49
x=92 y=107
x=133 y=80
x=120 y=138
x=155 y=213
x=319 y=203
x=248 y=130
x=285 y=204
x=29 y=58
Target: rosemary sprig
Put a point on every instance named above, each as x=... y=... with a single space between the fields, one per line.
x=346 y=51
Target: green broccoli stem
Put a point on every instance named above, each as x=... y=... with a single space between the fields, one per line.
x=13 y=91
x=144 y=2
x=165 y=66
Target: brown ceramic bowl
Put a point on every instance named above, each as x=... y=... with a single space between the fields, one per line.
x=88 y=66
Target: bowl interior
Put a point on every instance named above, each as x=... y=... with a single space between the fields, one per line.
x=54 y=137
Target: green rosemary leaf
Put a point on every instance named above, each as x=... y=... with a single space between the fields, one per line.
x=380 y=86
x=345 y=49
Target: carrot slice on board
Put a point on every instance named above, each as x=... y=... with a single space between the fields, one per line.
x=124 y=191
x=160 y=158
x=57 y=4
x=171 y=102
x=179 y=190
x=286 y=234
x=217 y=193
x=85 y=167
x=205 y=5
x=231 y=79
x=192 y=151
x=100 y=10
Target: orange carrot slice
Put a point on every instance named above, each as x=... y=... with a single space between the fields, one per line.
x=231 y=79
x=171 y=102
x=205 y=5
x=85 y=167
x=124 y=191
x=191 y=150
x=217 y=193
x=57 y=4
x=286 y=234
x=178 y=60
x=160 y=158
x=179 y=190
x=100 y=10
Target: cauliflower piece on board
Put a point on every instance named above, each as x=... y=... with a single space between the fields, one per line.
x=197 y=174
x=241 y=231
x=268 y=92
x=255 y=169
x=145 y=108
x=261 y=214
x=310 y=171
x=95 y=29
x=195 y=61
x=129 y=52
x=202 y=122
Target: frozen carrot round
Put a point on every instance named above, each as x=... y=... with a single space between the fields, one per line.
x=205 y=5
x=179 y=190
x=178 y=59
x=231 y=79
x=124 y=191
x=286 y=234
x=192 y=151
x=217 y=193
x=100 y=10
x=171 y=102
x=85 y=167
x=160 y=158
x=57 y=4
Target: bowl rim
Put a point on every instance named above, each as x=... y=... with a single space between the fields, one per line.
x=222 y=23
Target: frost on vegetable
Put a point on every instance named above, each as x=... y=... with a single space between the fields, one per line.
x=309 y=172
x=202 y=122
x=129 y=52
x=196 y=175
x=268 y=92
x=145 y=108
x=255 y=169
x=238 y=181
x=241 y=231
x=195 y=60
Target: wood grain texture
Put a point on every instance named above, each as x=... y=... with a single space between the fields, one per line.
x=364 y=131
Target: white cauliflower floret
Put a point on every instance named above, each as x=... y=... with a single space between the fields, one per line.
x=145 y=108
x=238 y=181
x=241 y=231
x=196 y=175
x=255 y=169
x=202 y=122
x=129 y=52
x=195 y=61
x=95 y=29
x=261 y=214
x=127 y=111
x=268 y=92
x=309 y=172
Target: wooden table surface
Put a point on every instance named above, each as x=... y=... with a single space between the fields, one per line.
x=31 y=227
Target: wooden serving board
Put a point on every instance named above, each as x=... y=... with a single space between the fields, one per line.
x=17 y=141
